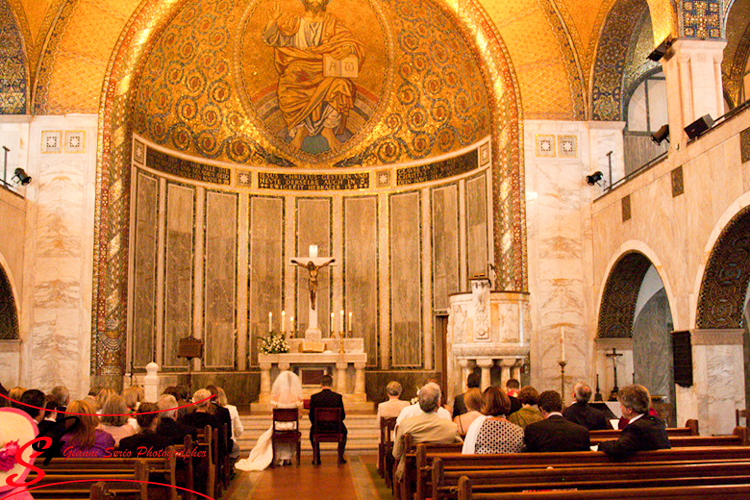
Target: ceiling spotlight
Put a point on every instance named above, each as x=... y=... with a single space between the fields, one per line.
x=660 y=135
x=22 y=177
x=661 y=50
x=594 y=178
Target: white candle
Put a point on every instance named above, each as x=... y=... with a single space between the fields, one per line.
x=291 y=326
x=333 y=326
x=270 y=322
x=562 y=343
x=283 y=321
x=350 y=322
x=343 y=329
x=313 y=251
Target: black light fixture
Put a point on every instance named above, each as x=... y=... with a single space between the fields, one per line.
x=594 y=178
x=661 y=135
x=661 y=50
x=22 y=176
x=699 y=126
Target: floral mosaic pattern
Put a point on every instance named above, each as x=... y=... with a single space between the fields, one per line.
x=13 y=84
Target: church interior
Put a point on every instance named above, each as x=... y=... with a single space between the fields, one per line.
x=551 y=190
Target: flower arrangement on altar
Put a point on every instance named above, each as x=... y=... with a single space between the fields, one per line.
x=275 y=343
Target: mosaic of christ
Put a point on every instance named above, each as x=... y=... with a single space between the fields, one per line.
x=313 y=70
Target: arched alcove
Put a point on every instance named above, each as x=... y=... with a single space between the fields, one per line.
x=8 y=312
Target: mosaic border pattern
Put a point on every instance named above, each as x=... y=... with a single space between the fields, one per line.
x=14 y=85
x=701 y=19
x=721 y=300
x=620 y=296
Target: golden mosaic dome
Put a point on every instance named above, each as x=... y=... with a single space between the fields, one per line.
x=355 y=83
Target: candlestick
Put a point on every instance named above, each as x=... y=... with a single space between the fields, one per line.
x=350 y=322
x=270 y=322
x=562 y=343
x=562 y=379
x=313 y=250
x=283 y=321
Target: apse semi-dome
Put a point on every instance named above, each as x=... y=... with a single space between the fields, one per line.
x=312 y=83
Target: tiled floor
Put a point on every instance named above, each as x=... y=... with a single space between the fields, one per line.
x=328 y=481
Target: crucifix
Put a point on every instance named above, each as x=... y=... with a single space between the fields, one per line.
x=615 y=389
x=313 y=263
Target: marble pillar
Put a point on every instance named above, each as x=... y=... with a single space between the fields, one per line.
x=485 y=364
x=694 y=88
x=341 y=376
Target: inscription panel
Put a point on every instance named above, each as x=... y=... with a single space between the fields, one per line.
x=439 y=170
x=220 y=280
x=178 y=280
x=361 y=270
x=188 y=169
x=313 y=182
x=144 y=275
x=266 y=267
x=406 y=311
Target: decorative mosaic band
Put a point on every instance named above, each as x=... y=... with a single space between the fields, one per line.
x=187 y=169
x=440 y=170
x=313 y=182
x=701 y=19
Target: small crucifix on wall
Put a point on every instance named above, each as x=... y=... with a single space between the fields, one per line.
x=614 y=355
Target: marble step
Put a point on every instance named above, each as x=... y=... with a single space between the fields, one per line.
x=364 y=434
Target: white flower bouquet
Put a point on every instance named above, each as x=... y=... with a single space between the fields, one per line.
x=275 y=343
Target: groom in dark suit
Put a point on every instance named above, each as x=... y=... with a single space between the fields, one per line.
x=326 y=398
x=555 y=433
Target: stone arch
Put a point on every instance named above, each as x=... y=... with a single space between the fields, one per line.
x=8 y=308
x=618 y=303
x=737 y=50
x=725 y=280
x=114 y=154
x=14 y=66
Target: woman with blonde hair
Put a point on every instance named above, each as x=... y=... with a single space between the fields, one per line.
x=473 y=402
x=492 y=432
x=84 y=440
x=114 y=419
x=102 y=398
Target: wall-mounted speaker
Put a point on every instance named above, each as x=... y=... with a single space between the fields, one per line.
x=699 y=126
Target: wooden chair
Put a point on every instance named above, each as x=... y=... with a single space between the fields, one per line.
x=738 y=414
x=385 y=449
x=282 y=435
x=327 y=429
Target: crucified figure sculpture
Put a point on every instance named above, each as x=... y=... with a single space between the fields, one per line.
x=312 y=282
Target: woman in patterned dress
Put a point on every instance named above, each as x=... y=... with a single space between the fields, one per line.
x=492 y=432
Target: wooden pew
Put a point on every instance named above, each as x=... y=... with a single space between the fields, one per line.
x=385 y=446
x=703 y=492
x=421 y=474
x=207 y=441
x=81 y=475
x=611 y=475
x=690 y=429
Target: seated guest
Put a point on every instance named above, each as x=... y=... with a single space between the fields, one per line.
x=204 y=415
x=326 y=398
x=184 y=399
x=225 y=417
x=426 y=427
x=32 y=400
x=59 y=396
x=15 y=395
x=236 y=428
x=459 y=406
x=554 y=433
x=492 y=432
x=114 y=419
x=581 y=413
x=473 y=401
x=643 y=432
x=133 y=396
x=394 y=405
x=528 y=414
x=147 y=438
x=102 y=398
x=93 y=393
x=414 y=408
x=84 y=440
x=168 y=427
x=511 y=390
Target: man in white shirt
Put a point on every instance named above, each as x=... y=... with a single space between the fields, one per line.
x=413 y=410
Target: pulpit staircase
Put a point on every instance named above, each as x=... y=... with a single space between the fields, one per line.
x=363 y=438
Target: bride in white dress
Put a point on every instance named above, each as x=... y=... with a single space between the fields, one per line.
x=286 y=392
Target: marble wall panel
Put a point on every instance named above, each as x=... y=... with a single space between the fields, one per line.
x=361 y=270
x=144 y=272
x=445 y=269
x=477 y=236
x=266 y=267
x=178 y=272
x=220 y=302
x=406 y=324
x=314 y=228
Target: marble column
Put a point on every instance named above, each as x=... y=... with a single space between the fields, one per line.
x=485 y=364
x=465 y=371
x=341 y=376
x=265 y=381
x=694 y=89
x=505 y=365
x=515 y=370
x=359 y=379
x=718 y=381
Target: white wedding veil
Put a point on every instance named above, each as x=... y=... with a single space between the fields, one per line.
x=286 y=388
